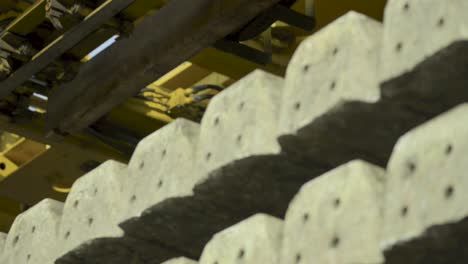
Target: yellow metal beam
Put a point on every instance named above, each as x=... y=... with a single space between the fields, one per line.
x=185 y=75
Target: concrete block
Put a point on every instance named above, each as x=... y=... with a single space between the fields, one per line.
x=338 y=62
x=93 y=207
x=254 y=240
x=3 y=238
x=161 y=167
x=427 y=178
x=240 y=122
x=33 y=235
x=229 y=195
x=180 y=261
x=336 y=218
x=417 y=29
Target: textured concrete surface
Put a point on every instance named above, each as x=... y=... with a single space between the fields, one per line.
x=93 y=207
x=417 y=29
x=338 y=62
x=3 y=237
x=180 y=261
x=336 y=218
x=33 y=237
x=230 y=194
x=240 y=122
x=426 y=178
x=254 y=240
x=161 y=167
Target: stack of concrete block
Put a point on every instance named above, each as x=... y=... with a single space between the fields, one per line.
x=188 y=182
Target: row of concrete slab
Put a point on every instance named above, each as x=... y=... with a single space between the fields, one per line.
x=351 y=158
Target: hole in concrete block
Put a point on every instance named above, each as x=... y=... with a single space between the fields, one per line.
x=33 y=229
x=216 y=262
x=90 y=221
x=298 y=258
x=337 y=202
x=16 y=239
x=441 y=22
x=216 y=121
x=95 y=191
x=448 y=149
x=241 y=254
x=335 y=242
x=239 y=139
x=305 y=217
x=305 y=68
x=28 y=257
x=67 y=235
x=411 y=166
x=163 y=153
x=449 y=192
x=75 y=204
x=160 y=183
x=335 y=51
x=133 y=199
x=208 y=156
x=241 y=106
x=297 y=106
x=404 y=211
x=142 y=165
x=332 y=85
x=406 y=6
x=399 y=47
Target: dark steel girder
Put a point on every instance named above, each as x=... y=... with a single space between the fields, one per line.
x=61 y=45
x=159 y=43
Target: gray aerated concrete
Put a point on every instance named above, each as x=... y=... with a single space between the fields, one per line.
x=337 y=217
x=416 y=29
x=339 y=62
x=91 y=209
x=426 y=178
x=33 y=237
x=252 y=241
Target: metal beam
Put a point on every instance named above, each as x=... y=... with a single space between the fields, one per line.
x=163 y=40
x=62 y=44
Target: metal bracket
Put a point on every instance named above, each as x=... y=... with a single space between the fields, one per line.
x=54 y=11
x=278 y=12
x=15 y=46
x=243 y=51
